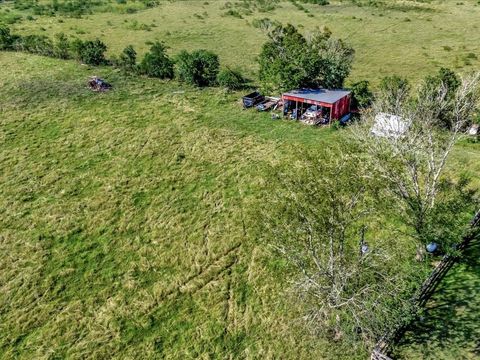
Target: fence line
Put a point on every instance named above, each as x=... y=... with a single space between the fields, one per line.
x=384 y=346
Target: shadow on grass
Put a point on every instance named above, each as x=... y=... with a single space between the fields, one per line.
x=450 y=326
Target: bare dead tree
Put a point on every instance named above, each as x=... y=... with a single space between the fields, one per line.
x=412 y=163
x=325 y=203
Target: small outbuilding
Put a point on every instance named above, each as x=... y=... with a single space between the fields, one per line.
x=326 y=105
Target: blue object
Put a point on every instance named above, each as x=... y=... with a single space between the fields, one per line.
x=364 y=249
x=345 y=119
x=432 y=247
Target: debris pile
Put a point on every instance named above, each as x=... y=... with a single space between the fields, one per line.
x=99 y=85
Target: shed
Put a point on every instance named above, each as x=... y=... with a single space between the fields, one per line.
x=335 y=102
x=389 y=126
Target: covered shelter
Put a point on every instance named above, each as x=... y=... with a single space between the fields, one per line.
x=328 y=104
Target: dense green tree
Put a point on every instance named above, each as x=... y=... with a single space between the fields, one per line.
x=156 y=62
x=35 y=44
x=362 y=96
x=289 y=60
x=199 y=67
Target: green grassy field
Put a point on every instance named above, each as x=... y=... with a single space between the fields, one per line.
x=407 y=38
x=129 y=220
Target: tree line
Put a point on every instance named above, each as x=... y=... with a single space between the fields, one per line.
x=199 y=67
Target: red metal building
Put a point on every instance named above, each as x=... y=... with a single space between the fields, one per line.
x=337 y=101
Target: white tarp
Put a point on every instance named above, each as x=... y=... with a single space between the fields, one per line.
x=473 y=130
x=390 y=126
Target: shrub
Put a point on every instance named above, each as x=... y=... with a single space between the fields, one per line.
x=61 y=46
x=156 y=63
x=91 y=52
x=35 y=44
x=198 y=68
x=231 y=79
x=6 y=38
x=362 y=96
x=128 y=59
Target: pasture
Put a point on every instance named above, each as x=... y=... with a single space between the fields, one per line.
x=130 y=220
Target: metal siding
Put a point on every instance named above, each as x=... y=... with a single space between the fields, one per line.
x=306 y=101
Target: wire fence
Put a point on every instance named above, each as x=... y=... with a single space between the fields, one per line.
x=384 y=346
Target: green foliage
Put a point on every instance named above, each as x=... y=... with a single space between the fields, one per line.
x=289 y=61
x=6 y=38
x=231 y=79
x=91 y=52
x=318 y=225
x=156 y=62
x=448 y=220
x=199 y=67
x=362 y=96
x=35 y=44
x=128 y=59
x=449 y=81
x=61 y=46
x=393 y=91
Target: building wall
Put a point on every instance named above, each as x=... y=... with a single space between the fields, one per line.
x=341 y=108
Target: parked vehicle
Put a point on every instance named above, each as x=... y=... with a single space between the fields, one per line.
x=314 y=112
x=252 y=99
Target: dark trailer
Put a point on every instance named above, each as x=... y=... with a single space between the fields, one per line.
x=252 y=99
x=335 y=104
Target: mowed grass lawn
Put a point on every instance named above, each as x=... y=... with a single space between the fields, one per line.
x=408 y=38
x=130 y=220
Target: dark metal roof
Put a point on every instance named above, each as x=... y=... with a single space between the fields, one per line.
x=322 y=95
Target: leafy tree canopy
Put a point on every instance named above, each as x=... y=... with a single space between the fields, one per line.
x=290 y=60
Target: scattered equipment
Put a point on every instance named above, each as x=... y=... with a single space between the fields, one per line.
x=98 y=85
x=270 y=103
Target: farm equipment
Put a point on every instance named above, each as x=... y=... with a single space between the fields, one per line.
x=270 y=103
x=98 y=85
x=252 y=99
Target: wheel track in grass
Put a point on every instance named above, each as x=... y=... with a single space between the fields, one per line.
x=204 y=275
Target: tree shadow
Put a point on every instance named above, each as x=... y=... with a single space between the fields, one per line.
x=451 y=321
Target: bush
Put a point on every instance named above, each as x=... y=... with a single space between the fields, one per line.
x=6 y=38
x=231 y=79
x=128 y=59
x=90 y=52
x=198 y=68
x=35 y=44
x=156 y=63
x=61 y=47
x=362 y=96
